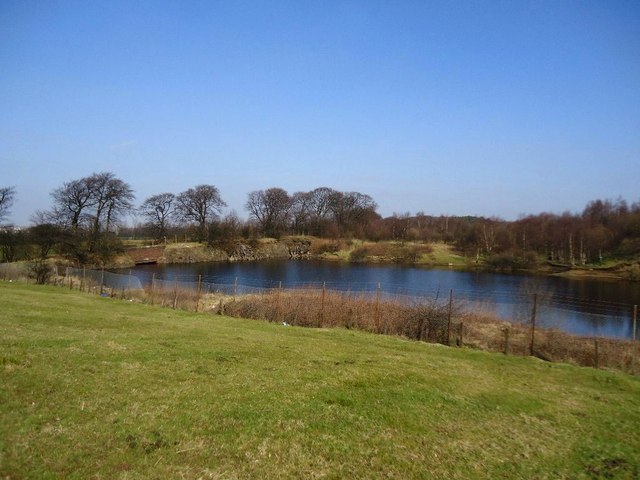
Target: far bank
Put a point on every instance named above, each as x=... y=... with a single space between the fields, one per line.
x=434 y=255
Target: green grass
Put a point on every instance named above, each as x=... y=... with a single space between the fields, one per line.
x=93 y=387
x=444 y=254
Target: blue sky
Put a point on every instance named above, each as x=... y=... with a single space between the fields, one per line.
x=496 y=108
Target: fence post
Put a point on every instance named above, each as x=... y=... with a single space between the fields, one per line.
x=377 y=319
x=235 y=288
x=199 y=290
x=102 y=282
x=635 y=321
x=533 y=322
x=278 y=313
x=596 y=359
x=175 y=291
x=449 y=317
x=70 y=282
x=129 y=285
x=322 y=304
x=506 y=340
x=83 y=283
x=153 y=281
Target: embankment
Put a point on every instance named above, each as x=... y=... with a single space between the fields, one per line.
x=236 y=251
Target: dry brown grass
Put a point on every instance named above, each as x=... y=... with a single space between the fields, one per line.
x=428 y=320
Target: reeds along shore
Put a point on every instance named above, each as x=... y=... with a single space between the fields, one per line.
x=444 y=321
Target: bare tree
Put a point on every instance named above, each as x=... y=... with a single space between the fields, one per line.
x=321 y=202
x=71 y=202
x=351 y=208
x=202 y=205
x=320 y=209
x=301 y=211
x=111 y=198
x=7 y=194
x=158 y=211
x=270 y=208
x=96 y=201
x=45 y=236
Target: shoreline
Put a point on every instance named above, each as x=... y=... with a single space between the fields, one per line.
x=435 y=256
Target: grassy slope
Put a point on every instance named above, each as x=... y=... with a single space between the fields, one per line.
x=441 y=254
x=100 y=388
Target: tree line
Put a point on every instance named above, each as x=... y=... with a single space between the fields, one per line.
x=604 y=229
x=86 y=217
x=85 y=223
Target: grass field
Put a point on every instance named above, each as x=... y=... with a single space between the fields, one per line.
x=94 y=387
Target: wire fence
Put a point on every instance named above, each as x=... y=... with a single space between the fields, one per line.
x=459 y=317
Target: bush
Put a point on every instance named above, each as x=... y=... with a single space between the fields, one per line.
x=40 y=271
x=321 y=247
x=633 y=272
x=512 y=261
x=359 y=254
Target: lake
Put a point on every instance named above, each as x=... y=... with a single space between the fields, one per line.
x=584 y=307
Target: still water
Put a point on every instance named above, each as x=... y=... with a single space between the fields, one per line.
x=584 y=307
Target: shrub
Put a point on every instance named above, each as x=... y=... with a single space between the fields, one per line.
x=324 y=246
x=359 y=254
x=512 y=261
x=39 y=270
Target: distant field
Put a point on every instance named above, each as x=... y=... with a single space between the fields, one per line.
x=94 y=387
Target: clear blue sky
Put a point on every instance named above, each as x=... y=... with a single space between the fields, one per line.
x=482 y=107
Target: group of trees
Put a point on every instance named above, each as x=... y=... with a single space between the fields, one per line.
x=201 y=205
x=604 y=228
x=82 y=221
x=86 y=214
x=272 y=212
x=322 y=211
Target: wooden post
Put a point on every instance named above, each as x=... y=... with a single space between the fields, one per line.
x=175 y=291
x=506 y=341
x=635 y=322
x=596 y=359
x=449 y=317
x=533 y=322
x=199 y=290
x=129 y=285
x=153 y=280
x=70 y=282
x=278 y=312
x=377 y=319
x=102 y=282
x=322 y=304
x=83 y=284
